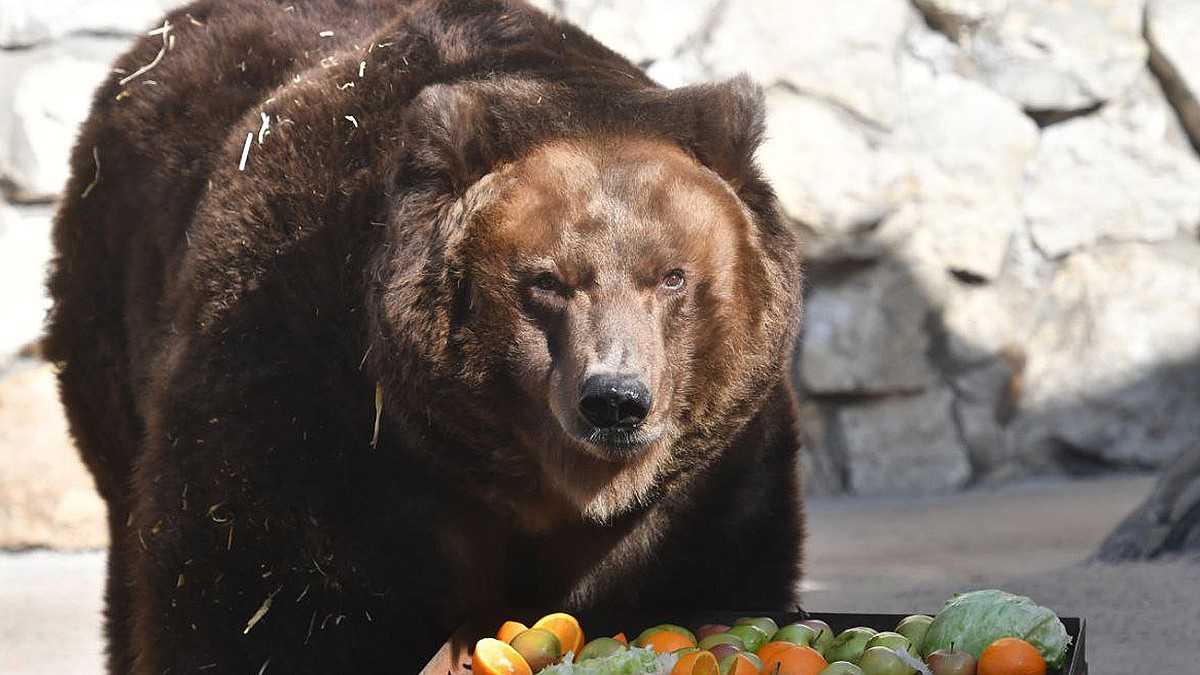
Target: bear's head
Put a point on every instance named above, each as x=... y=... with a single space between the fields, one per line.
x=587 y=295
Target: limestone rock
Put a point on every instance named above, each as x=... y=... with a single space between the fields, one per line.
x=25 y=250
x=842 y=52
x=1168 y=521
x=867 y=334
x=24 y=23
x=1175 y=56
x=822 y=165
x=1144 y=112
x=1064 y=55
x=47 y=497
x=49 y=104
x=904 y=444
x=643 y=31
x=937 y=51
x=957 y=17
x=822 y=462
x=964 y=149
x=1112 y=367
x=982 y=409
x=1094 y=181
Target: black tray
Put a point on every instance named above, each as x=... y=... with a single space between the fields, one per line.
x=455 y=655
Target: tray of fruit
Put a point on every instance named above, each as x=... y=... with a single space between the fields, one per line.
x=987 y=632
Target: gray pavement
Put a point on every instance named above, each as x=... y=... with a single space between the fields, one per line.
x=897 y=555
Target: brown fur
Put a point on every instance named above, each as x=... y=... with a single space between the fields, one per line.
x=221 y=332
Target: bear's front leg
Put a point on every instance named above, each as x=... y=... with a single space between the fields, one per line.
x=268 y=536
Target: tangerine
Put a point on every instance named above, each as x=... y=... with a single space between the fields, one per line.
x=699 y=662
x=565 y=627
x=665 y=641
x=740 y=663
x=493 y=657
x=509 y=630
x=794 y=660
x=620 y=637
x=1011 y=656
x=764 y=652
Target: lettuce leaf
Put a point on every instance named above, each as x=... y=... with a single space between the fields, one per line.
x=972 y=621
x=635 y=661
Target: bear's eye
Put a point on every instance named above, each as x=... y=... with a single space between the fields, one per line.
x=546 y=282
x=673 y=280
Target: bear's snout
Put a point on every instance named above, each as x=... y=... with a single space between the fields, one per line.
x=612 y=402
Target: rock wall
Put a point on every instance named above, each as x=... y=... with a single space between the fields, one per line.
x=1000 y=201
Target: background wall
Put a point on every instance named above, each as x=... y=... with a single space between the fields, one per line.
x=1000 y=201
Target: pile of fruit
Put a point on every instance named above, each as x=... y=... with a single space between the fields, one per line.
x=981 y=633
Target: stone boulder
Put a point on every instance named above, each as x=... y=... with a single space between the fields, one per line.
x=904 y=445
x=824 y=168
x=1093 y=181
x=1168 y=522
x=840 y=52
x=866 y=334
x=962 y=150
x=25 y=250
x=49 y=102
x=1171 y=27
x=24 y=23
x=1111 y=368
x=1047 y=56
x=957 y=18
x=661 y=30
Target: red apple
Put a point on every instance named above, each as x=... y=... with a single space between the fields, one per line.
x=951 y=662
x=710 y=629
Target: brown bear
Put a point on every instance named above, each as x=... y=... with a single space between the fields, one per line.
x=373 y=316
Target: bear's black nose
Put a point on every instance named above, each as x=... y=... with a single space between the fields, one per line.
x=615 y=401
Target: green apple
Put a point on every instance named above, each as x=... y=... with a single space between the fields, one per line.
x=841 y=668
x=764 y=623
x=661 y=627
x=752 y=636
x=849 y=644
x=881 y=660
x=722 y=639
x=824 y=634
x=796 y=633
x=602 y=646
x=914 y=627
x=892 y=640
x=951 y=662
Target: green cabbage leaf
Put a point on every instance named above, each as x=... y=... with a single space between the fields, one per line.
x=972 y=621
x=635 y=661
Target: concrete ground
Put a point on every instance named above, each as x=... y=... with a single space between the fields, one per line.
x=897 y=555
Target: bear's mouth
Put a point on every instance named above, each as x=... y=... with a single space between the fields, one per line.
x=622 y=443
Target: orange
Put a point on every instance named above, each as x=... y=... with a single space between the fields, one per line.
x=493 y=657
x=620 y=637
x=665 y=641
x=1011 y=656
x=794 y=660
x=565 y=628
x=696 y=663
x=764 y=652
x=509 y=630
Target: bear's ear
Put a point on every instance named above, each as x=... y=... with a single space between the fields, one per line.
x=451 y=134
x=729 y=125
